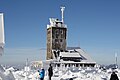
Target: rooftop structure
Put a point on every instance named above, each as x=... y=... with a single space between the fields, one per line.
x=74 y=56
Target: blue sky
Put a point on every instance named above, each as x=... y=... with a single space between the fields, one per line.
x=94 y=25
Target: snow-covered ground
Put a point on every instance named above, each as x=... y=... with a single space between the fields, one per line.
x=62 y=73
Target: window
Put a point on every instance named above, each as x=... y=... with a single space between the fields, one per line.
x=60 y=40
x=57 y=31
x=52 y=36
x=61 y=31
x=76 y=65
x=56 y=40
x=56 y=35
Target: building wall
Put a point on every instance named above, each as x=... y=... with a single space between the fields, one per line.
x=56 y=40
x=59 y=38
x=49 y=46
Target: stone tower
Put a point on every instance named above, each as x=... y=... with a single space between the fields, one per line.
x=56 y=37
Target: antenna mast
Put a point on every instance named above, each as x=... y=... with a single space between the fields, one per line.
x=27 y=62
x=62 y=11
x=116 y=58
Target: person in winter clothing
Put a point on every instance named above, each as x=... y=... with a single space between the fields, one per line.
x=42 y=74
x=114 y=76
x=50 y=72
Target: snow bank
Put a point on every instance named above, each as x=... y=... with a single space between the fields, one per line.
x=60 y=73
x=6 y=74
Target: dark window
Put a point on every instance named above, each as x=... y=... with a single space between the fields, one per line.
x=69 y=65
x=61 y=31
x=56 y=35
x=60 y=40
x=81 y=65
x=65 y=65
x=52 y=36
x=56 y=40
x=57 y=31
x=76 y=65
x=58 y=65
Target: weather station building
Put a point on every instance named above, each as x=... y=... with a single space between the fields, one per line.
x=57 y=50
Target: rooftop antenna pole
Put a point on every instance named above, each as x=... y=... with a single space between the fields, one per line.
x=62 y=11
x=27 y=62
x=116 y=59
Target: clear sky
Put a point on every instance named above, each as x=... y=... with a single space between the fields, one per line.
x=94 y=25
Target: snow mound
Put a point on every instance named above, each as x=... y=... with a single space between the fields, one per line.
x=1 y=69
x=6 y=74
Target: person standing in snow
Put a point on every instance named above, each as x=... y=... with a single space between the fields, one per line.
x=42 y=74
x=114 y=76
x=50 y=72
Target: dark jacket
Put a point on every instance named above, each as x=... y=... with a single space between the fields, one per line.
x=50 y=71
x=114 y=76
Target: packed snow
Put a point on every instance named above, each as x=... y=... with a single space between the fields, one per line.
x=59 y=73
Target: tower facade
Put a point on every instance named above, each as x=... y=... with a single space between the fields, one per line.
x=56 y=37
